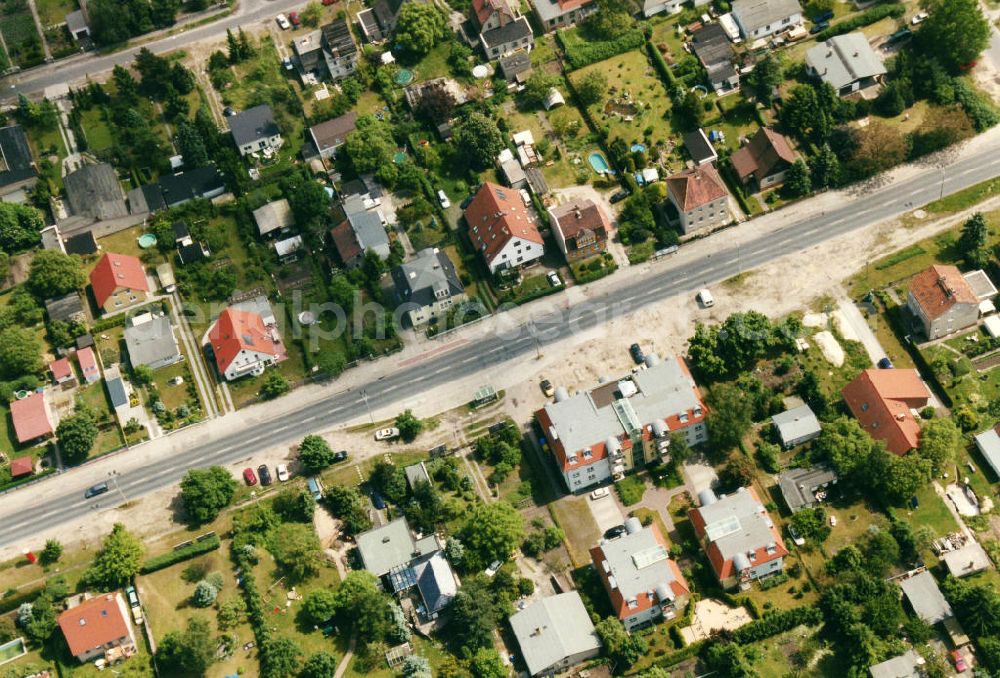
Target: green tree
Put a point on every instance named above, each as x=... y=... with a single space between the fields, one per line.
x=125 y=85
x=371 y=147
x=621 y=647
x=940 y=440
x=409 y=426
x=899 y=477
x=7 y=629
x=473 y=617
x=20 y=226
x=420 y=27
x=729 y=418
x=537 y=87
x=798 y=181
x=191 y=145
x=320 y=664
x=38 y=619
x=491 y=532
x=274 y=386
x=359 y=603
x=311 y=16
x=204 y=594
x=53 y=274
x=824 y=168
x=52 y=552
x=280 y=657
x=189 y=652
x=117 y=562
x=315 y=454
x=76 y=434
x=319 y=606
x=738 y=472
x=811 y=524
x=972 y=242
x=205 y=492
x=346 y=503
x=805 y=115
x=592 y=87
x=611 y=20
x=389 y=481
x=766 y=76
x=480 y=139
x=295 y=504
x=296 y=550
x=955 y=32
x=486 y=663
x=847 y=447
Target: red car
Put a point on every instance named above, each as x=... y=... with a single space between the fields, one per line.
x=959 y=661
x=327 y=3
x=294 y=18
x=249 y=476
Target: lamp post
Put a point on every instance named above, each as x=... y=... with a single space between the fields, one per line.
x=113 y=474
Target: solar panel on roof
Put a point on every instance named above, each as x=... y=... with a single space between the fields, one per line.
x=722 y=528
x=650 y=556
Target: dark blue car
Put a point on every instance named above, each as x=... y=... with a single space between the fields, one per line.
x=885 y=364
x=377 y=501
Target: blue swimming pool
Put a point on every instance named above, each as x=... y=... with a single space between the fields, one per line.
x=599 y=164
x=638 y=148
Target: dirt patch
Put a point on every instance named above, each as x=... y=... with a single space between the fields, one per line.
x=831 y=348
x=711 y=616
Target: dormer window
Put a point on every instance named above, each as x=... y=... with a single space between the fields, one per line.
x=683 y=416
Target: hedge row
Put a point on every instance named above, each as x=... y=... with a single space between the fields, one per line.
x=12 y=602
x=180 y=555
x=982 y=113
x=584 y=54
x=661 y=65
x=866 y=18
x=777 y=622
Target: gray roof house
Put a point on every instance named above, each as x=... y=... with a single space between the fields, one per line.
x=796 y=426
x=699 y=147
x=76 y=23
x=435 y=582
x=712 y=47
x=416 y=473
x=516 y=66
x=67 y=308
x=988 y=443
x=274 y=216
x=846 y=62
x=17 y=168
x=391 y=547
x=505 y=39
x=360 y=232
x=926 y=598
x=255 y=130
x=555 y=633
x=330 y=135
x=761 y=18
x=151 y=342
x=904 y=666
x=428 y=285
x=799 y=485
x=94 y=191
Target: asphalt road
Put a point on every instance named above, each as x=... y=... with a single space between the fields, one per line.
x=78 y=68
x=63 y=499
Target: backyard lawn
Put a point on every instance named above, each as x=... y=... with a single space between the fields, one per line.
x=637 y=106
x=96 y=130
x=573 y=517
x=54 y=11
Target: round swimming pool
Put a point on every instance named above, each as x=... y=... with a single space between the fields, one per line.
x=147 y=240
x=598 y=162
x=404 y=77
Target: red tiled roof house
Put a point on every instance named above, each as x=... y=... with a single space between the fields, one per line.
x=502 y=229
x=642 y=581
x=22 y=466
x=245 y=343
x=739 y=537
x=61 y=370
x=763 y=163
x=31 y=418
x=618 y=426
x=700 y=197
x=581 y=229
x=97 y=625
x=119 y=281
x=884 y=401
x=88 y=364
x=943 y=300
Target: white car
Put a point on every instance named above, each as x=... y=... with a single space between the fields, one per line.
x=599 y=493
x=554 y=279
x=443 y=199
x=282 y=472
x=387 y=433
x=283 y=22
x=918 y=18
x=706 y=299
x=493 y=568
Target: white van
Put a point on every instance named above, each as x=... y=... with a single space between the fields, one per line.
x=705 y=298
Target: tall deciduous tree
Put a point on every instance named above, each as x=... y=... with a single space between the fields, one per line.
x=315 y=454
x=296 y=550
x=280 y=657
x=592 y=87
x=972 y=242
x=480 y=138
x=206 y=491
x=20 y=226
x=420 y=27
x=764 y=78
x=118 y=560
x=955 y=32
x=76 y=434
x=624 y=649
x=319 y=665
x=20 y=353
x=730 y=417
x=54 y=274
x=189 y=652
x=492 y=532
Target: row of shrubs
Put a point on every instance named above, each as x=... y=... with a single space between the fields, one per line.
x=866 y=18
x=583 y=54
x=777 y=622
x=193 y=549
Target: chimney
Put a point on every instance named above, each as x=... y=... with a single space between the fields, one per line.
x=576 y=211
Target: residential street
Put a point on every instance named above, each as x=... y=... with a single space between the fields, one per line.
x=500 y=350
